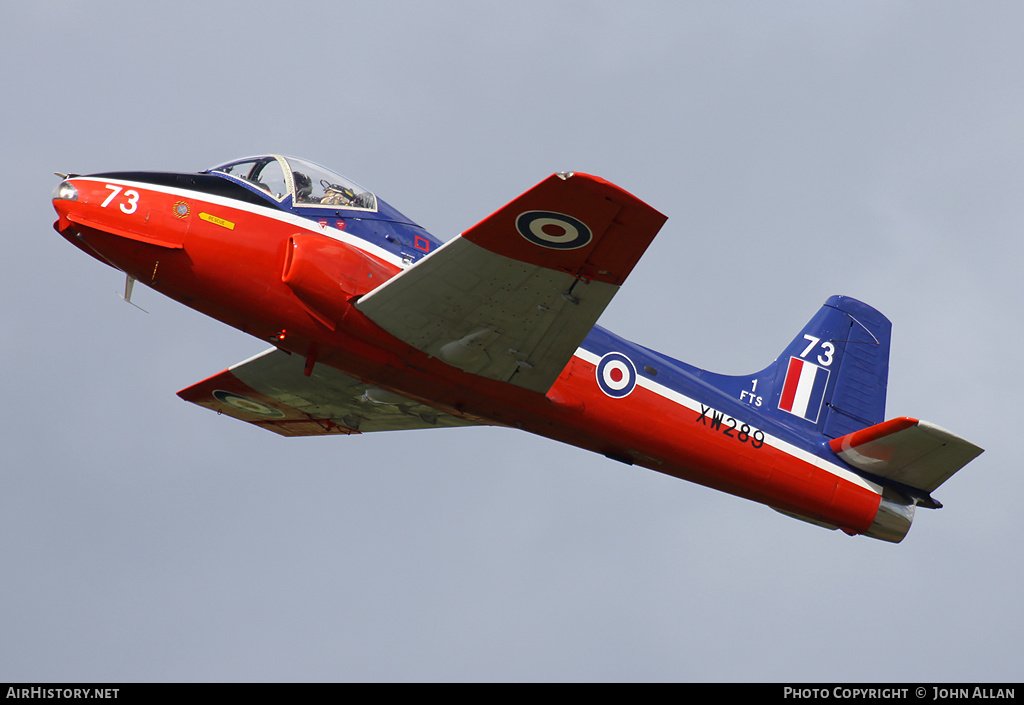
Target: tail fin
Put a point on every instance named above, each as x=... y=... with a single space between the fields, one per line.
x=831 y=381
x=832 y=378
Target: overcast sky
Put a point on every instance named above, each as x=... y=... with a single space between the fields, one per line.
x=800 y=149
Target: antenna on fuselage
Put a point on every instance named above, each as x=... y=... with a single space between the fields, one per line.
x=129 y=285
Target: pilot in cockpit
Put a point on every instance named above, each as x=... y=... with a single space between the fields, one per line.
x=303 y=188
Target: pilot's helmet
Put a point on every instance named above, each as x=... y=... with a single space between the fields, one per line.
x=303 y=186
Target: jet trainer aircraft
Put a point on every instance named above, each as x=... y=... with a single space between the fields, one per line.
x=377 y=325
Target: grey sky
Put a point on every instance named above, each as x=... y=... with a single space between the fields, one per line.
x=873 y=149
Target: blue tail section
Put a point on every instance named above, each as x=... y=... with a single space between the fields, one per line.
x=831 y=380
x=834 y=374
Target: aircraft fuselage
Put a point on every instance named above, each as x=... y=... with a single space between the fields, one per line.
x=292 y=278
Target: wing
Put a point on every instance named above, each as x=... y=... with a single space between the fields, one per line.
x=512 y=298
x=914 y=453
x=273 y=392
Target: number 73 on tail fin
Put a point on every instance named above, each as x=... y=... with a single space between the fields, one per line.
x=377 y=325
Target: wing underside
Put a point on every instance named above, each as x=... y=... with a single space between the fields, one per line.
x=273 y=392
x=490 y=315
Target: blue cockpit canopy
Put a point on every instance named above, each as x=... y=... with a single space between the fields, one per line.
x=298 y=183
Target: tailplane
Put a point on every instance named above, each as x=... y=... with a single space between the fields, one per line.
x=910 y=455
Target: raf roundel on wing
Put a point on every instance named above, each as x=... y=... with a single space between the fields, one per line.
x=556 y=231
x=246 y=404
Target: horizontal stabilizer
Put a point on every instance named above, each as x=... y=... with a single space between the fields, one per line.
x=273 y=391
x=913 y=453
